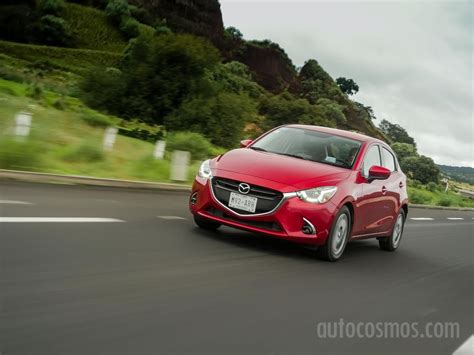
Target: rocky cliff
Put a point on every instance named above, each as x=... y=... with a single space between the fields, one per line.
x=199 y=17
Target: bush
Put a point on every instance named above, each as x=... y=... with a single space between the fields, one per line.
x=18 y=155
x=35 y=91
x=60 y=103
x=86 y=152
x=51 y=7
x=199 y=147
x=54 y=30
x=445 y=201
x=130 y=28
x=432 y=186
x=419 y=196
x=116 y=10
x=96 y=119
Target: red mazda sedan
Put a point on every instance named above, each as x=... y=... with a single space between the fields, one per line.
x=307 y=184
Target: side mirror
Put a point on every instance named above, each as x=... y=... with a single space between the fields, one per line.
x=245 y=143
x=378 y=173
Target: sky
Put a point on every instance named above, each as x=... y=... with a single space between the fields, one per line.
x=412 y=60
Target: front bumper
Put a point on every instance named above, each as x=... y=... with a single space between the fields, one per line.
x=287 y=221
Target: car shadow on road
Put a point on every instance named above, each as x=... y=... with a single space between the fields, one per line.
x=279 y=247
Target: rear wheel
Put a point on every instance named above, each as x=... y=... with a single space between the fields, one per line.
x=336 y=243
x=206 y=224
x=392 y=242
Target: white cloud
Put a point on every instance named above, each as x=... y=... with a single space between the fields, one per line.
x=411 y=59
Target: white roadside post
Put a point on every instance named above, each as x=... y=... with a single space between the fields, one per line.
x=179 y=165
x=160 y=148
x=109 y=138
x=23 y=124
x=446 y=181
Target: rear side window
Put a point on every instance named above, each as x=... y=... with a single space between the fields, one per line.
x=388 y=160
x=371 y=158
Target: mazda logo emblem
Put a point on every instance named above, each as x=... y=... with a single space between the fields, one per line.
x=244 y=188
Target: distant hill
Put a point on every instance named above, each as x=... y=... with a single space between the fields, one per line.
x=459 y=173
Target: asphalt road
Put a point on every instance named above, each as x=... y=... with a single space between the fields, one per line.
x=149 y=282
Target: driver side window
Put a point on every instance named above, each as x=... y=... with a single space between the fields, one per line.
x=372 y=157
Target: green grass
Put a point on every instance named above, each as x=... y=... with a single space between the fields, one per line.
x=62 y=142
x=421 y=195
x=92 y=30
x=67 y=59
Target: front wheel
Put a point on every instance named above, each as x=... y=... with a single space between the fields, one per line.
x=336 y=243
x=206 y=224
x=392 y=242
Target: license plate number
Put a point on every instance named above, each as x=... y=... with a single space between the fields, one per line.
x=242 y=202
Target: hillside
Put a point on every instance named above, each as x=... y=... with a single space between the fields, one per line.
x=96 y=42
x=459 y=173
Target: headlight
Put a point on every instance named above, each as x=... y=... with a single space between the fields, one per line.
x=318 y=194
x=205 y=170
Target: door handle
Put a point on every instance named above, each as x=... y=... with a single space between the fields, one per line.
x=384 y=190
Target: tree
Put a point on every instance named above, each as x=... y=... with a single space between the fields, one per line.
x=317 y=84
x=347 y=86
x=234 y=33
x=54 y=30
x=221 y=117
x=404 y=150
x=284 y=109
x=158 y=74
x=421 y=168
x=396 y=133
x=234 y=77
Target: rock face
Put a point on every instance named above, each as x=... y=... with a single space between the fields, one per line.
x=199 y=17
x=269 y=65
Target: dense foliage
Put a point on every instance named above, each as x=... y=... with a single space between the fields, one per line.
x=396 y=132
x=347 y=86
x=418 y=167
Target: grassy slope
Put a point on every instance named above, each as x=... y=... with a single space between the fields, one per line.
x=61 y=142
x=92 y=30
x=70 y=59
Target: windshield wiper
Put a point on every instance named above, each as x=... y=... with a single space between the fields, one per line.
x=259 y=149
x=293 y=156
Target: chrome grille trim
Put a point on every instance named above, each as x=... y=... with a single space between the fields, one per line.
x=285 y=197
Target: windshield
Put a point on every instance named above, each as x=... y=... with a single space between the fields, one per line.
x=310 y=145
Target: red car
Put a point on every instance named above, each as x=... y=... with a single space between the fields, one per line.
x=307 y=184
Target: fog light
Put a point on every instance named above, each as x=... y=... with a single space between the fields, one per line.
x=193 y=199
x=308 y=227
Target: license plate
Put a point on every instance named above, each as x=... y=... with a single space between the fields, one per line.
x=242 y=202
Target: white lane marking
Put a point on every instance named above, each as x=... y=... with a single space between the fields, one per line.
x=455 y=218
x=422 y=219
x=466 y=347
x=171 y=217
x=57 y=220
x=13 y=202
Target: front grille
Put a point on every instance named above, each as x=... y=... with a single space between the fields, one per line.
x=267 y=199
x=273 y=226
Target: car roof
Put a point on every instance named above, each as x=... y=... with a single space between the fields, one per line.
x=339 y=132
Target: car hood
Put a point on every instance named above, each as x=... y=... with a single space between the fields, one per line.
x=281 y=169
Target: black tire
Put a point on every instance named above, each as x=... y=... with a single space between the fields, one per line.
x=326 y=252
x=206 y=224
x=392 y=242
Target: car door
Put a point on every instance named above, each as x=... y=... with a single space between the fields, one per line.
x=392 y=185
x=372 y=204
